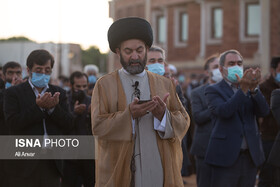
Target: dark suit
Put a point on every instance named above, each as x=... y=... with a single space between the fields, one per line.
x=24 y=117
x=234 y=117
x=74 y=170
x=268 y=128
x=274 y=155
x=275 y=108
x=203 y=128
x=3 y=127
x=3 y=131
x=186 y=161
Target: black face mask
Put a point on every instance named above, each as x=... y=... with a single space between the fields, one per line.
x=78 y=95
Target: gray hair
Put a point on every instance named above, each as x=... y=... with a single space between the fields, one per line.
x=157 y=49
x=91 y=67
x=224 y=54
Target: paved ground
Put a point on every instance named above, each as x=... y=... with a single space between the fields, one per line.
x=191 y=181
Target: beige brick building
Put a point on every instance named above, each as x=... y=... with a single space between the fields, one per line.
x=191 y=30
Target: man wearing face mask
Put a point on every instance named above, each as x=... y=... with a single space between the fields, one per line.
x=268 y=124
x=155 y=60
x=91 y=71
x=234 y=151
x=11 y=77
x=202 y=120
x=36 y=107
x=79 y=103
x=156 y=64
x=12 y=74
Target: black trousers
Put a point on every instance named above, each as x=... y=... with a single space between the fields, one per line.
x=241 y=174
x=78 y=172
x=44 y=175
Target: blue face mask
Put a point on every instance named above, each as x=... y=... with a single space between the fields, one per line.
x=92 y=79
x=40 y=80
x=156 y=68
x=8 y=85
x=277 y=78
x=181 y=78
x=232 y=71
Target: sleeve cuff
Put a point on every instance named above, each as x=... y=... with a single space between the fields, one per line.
x=160 y=125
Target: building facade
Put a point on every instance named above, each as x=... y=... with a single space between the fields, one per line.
x=192 y=30
x=68 y=57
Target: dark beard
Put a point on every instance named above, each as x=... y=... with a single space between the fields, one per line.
x=134 y=69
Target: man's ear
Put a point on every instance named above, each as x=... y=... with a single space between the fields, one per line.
x=118 y=51
x=4 y=78
x=29 y=71
x=207 y=73
x=221 y=70
x=273 y=72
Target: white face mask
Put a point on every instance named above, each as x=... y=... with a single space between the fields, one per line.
x=216 y=75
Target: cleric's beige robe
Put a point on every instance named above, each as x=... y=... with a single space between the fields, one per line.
x=111 y=124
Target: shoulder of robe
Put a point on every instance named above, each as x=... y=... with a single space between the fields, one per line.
x=108 y=77
x=159 y=78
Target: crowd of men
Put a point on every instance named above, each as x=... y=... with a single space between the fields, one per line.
x=140 y=115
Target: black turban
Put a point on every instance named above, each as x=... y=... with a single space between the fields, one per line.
x=129 y=28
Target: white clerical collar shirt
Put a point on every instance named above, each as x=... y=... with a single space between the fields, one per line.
x=158 y=125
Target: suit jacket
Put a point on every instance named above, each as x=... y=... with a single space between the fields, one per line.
x=24 y=117
x=3 y=127
x=82 y=121
x=268 y=126
x=275 y=108
x=234 y=116
x=202 y=118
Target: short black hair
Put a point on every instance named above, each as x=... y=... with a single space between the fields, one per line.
x=274 y=62
x=77 y=74
x=39 y=57
x=10 y=64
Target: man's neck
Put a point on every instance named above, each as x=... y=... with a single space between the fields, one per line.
x=39 y=89
x=138 y=75
x=211 y=81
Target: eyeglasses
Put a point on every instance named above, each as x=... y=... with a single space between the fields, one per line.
x=136 y=92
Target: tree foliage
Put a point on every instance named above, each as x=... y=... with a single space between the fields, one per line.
x=92 y=55
x=16 y=38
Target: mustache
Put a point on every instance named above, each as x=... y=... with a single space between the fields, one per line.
x=134 y=61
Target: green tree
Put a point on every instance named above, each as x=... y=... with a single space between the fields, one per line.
x=92 y=55
x=16 y=38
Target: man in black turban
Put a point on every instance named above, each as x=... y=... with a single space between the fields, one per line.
x=137 y=117
x=127 y=29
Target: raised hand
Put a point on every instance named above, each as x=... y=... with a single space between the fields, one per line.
x=79 y=108
x=245 y=81
x=139 y=110
x=43 y=101
x=16 y=81
x=255 y=79
x=47 y=101
x=160 y=108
